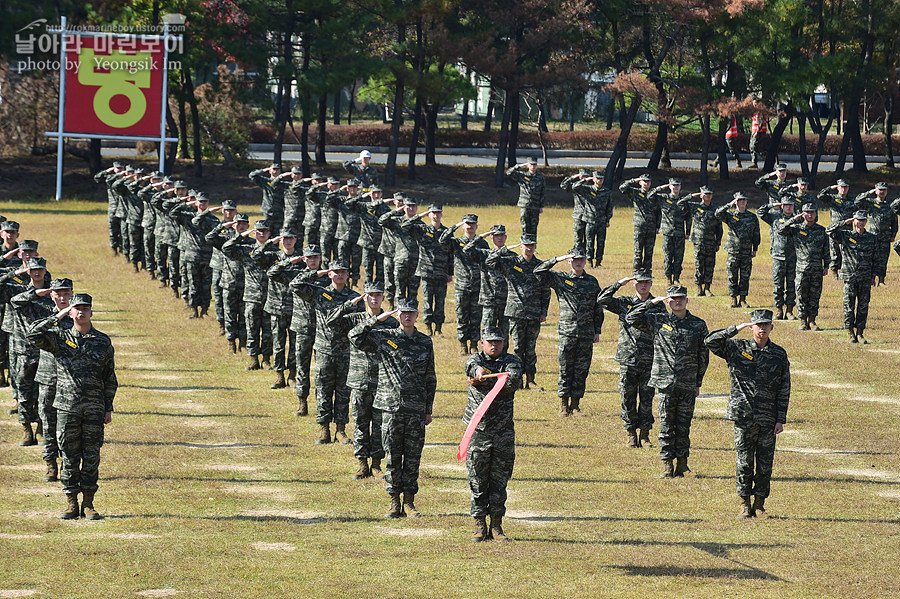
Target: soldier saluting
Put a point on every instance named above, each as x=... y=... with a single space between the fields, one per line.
x=858 y=253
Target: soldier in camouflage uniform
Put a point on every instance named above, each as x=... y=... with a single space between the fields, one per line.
x=122 y=211
x=148 y=220
x=85 y=389
x=580 y=324
x=107 y=176
x=433 y=268
x=363 y=378
x=128 y=188
x=406 y=250
x=531 y=194
x=15 y=259
x=405 y=396
x=370 y=206
x=882 y=224
x=706 y=235
x=272 y=205
x=858 y=253
x=797 y=195
x=680 y=360
x=598 y=212
x=386 y=248
x=647 y=215
x=466 y=281
x=842 y=207
x=232 y=279
x=492 y=449
x=634 y=353
x=168 y=255
x=348 y=231
x=493 y=290
x=282 y=268
x=217 y=262
x=363 y=171
x=293 y=187
x=773 y=183
x=9 y=233
x=579 y=225
x=331 y=200
x=526 y=302
x=742 y=244
x=784 y=257
x=674 y=226
x=758 y=405
x=811 y=244
x=196 y=220
x=314 y=198
x=332 y=349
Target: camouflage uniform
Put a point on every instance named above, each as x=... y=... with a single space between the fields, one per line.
x=121 y=215
x=813 y=257
x=634 y=353
x=772 y=186
x=647 y=214
x=370 y=236
x=107 y=177
x=675 y=228
x=796 y=198
x=165 y=236
x=280 y=307
x=328 y=231
x=303 y=324
x=842 y=208
x=148 y=226
x=256 y=287
x=706 y=234
x=598 y=211
x=294 y=193
x=493 y=289
x=347 y=236
x=680 y=360
x=760 y=392
x=386 y=250
x=433 y=268
x=580 y=320
x=466 y=284
x=363 y=381
x=134 y=214
x=579 y=224
x=405 y=396
x=232 y=281
x=492 y=449
x=742 y=242
x=196 y=253
x=526 y=303
x=406 y=254
x=858 y=252
x=312 y=221
x=272 y=206
x=332 y=349
x=367 y=175
x=85 y=388
x=784 y=257
x=882 y=224
x=531 y=198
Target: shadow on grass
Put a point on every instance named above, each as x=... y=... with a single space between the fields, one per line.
x=747 y=573
x=517 y=418
x=174 y=415
x=196 y=445
x=202 y=479
x=188 y=388
x=539 y=445
x=543 y=479
x=161 y=369
x=243 y=518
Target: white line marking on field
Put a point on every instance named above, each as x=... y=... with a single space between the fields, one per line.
x=274 y=547
x=876 y=399
x=17 y=592
x=157 y=593
x=868 y=473
x=411 y=532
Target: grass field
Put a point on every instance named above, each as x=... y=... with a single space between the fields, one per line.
x=212 y=488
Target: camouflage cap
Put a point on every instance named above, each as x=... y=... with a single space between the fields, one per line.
x=261 y=225
x=373 y=287
x=334 y=180
x=180 y=185
x=29 y=245
x=140 y=171
x=498 y=230
x=435 y=208
x=276 y=165
x=881 y=185
x=129 y=169
x=297 y=170
x=531 y=160
x=375 y=188
x=584 y=172
x=118 y=164
x=229 y=205
x=36 y=262
x=599 y=175
x=81 y=299
x=317 y=175
x=168 y=180
x=802 y=181
x=408 y=305
x=399 y=195
x=410 y=201
x=312 y=249
x=858 y=215
x=240 y=217
x=470 y=218
x=157 y=175
x=192 y=193
x=528 y=239
x=644 y=177
x=58 y=284
x=809 y=207
x=705 y=189
x=739 y=196
x=493 y=334
x=354 y=182
x=674 y=181
x=202 y=197
x=676 y=291
x=642 y=275
x=9 y=225
x=781 y=166
x=761 y=317
x=288 y=233
x=338 y=265
x=842 y=183
x=577 y=252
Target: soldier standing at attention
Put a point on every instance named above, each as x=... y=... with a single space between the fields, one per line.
x=280 y=305
x=386 y=247
x=406 y=250
x=108 y=176
x=232 y=279
x=348 y=230
x=598 y=212
x=405 y=396
x=363 y=378
x=272 y=206
x=328 y=230
x=493 y=291
x=580 y=323
x=680 y=360
x=531 y=194
x=362 y=170
x=741 y=245
x=579 y=224
x=858 y=252
x=773 y=183
x=706 y=235
x=526 y=302
x=882 y=224
x=492 y=449
x=314 y=198
x=197 y=253
x=466 y=281
x=675 y=228
x=784 y=257
x=293 y=187
x=811 y=245
x=634 y=353
x=85 y=389
x=370 y=206
x=758 y=405
x=646 y=220
x=798 y=196
x=433 y=266
x=842 y=207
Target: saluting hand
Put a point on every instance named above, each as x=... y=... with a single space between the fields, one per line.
x=385 y=315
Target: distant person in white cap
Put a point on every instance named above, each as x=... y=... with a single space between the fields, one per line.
x=362 y=170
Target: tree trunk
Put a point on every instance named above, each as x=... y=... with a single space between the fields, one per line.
x=804 y=159
x=723 y=150
x=195 y=123
x=169 y=163
x=464 y=117
x=662 y=129
x=704 y=151
x=431 y=114
x=571 y=111
x=414 y=141
x=320 y=130
x=620 y=150
x=513 y=104
x=500 y=170
x=775 y=140
x=540 y=132
x=542 y=116
x=182 y=122
x=282 y=94
x=304 y=142
x=489 y=113
x=350 y=104
x=610 y=113
x=888 y=128
x=856 y=144
x=337 y=107
x=390 y=168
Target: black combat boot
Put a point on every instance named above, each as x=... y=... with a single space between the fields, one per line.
x=375 y=468
x=860 y=336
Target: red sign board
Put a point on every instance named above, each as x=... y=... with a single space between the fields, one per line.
x=113 y=85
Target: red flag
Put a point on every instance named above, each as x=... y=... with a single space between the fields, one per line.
x=478 y=415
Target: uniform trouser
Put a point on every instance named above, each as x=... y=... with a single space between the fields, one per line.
x=856 y=303
x=217 y=294
x=350 y=254
x=809 y=290
x=524 y=335
x=13 y=369
x=492 y=455
x=882 y=253
x=704 y=263
x=896 y=249
x=673 y=254
x=373 y=265
x=390 y=285
x=136 y=243
x=162 y=260
x=644 y=240
x=755 y=447
x=4 y=349
x=596 y=240
x=332 y=392
x=183 y=277
x=115 y=231
x=836 y=256
x=492 y=316
x=233 y=305
x=283 y=342
x=329 y=247
x=79 y=433
x=406 y=280
x=26 y=369
x=312 y=233
x=150 y=250
x=754 y=143
x=303 y=350
x=123 y=237
x=46 y=395
x=529 y=219
x=174 y=269
x=574 y=355
x=434 y=294
x=784 y=273
x=468 y=314
x=733 y=149
x=199 y=288
x=259 y=330
x=579 y=233
x=366 y=425
x=676 y=410
x=739 y=268
x=403 y=437
x=633 y=386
